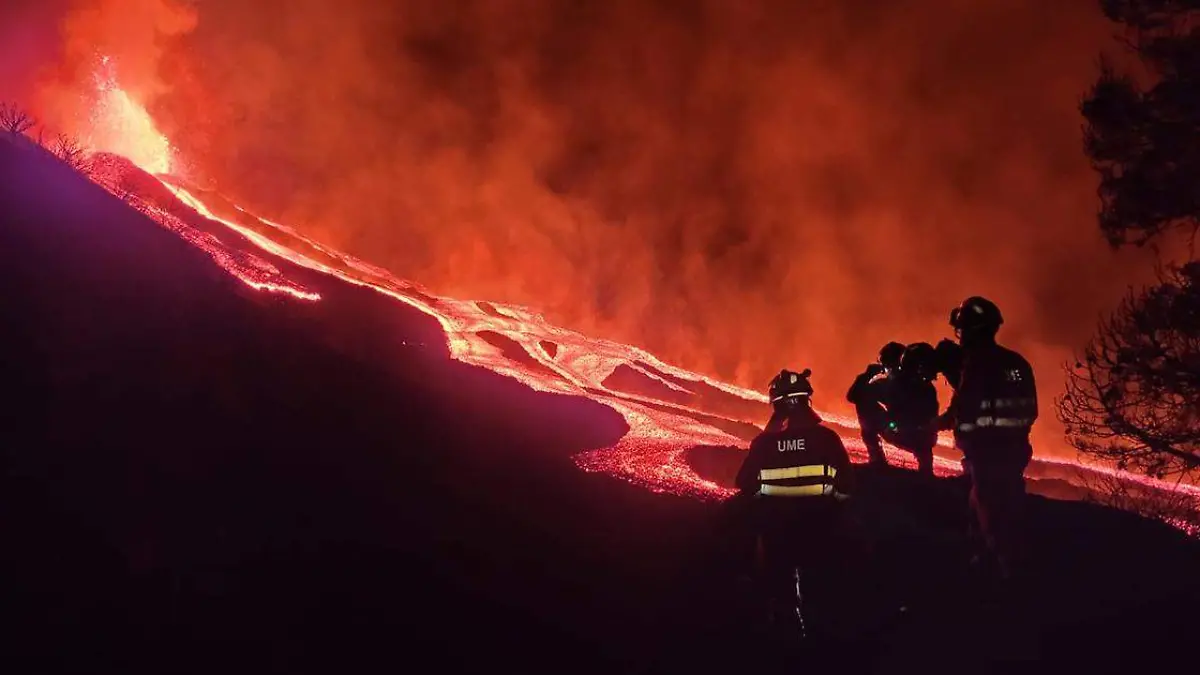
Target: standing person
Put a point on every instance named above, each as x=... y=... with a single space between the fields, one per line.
x=799 y=475
x=992 y=412
x=868 y=392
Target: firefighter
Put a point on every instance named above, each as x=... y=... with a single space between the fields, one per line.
x=798 y=477
x=992 y=412
x=912 y=405
x=867 y=394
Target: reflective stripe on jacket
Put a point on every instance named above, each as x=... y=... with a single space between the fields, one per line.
x=996 y=401
x=796 y=459
x=809 y=480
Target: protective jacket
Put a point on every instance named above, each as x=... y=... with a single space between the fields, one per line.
x=799 y=460
x=995 y=404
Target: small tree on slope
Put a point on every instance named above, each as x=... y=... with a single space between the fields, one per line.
x=70 y=152
x=1134 y=398
x=14 y=120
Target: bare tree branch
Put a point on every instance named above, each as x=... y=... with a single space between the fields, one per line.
x=14 y=120
x=72 y=153
x=1133 y=398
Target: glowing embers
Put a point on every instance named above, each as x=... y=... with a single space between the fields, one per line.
x=117 y=176
x=653 y=454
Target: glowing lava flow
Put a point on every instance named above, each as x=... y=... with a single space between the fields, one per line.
x=113 y=174
x=652 y=454
x=545 y=357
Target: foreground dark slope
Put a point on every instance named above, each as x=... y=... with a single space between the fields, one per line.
x=198 y=477
x=189 y=460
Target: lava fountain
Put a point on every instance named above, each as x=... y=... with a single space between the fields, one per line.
x=120 y=125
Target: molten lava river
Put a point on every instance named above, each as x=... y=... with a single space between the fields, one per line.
x=669 y=410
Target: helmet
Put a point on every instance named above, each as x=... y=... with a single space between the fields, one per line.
x=920 y=359
x=790 y=389
x=976 y=315
x=948 y=355
x=948 y=349
x=890 y=354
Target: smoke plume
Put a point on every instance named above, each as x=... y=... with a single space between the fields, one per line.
x=737 y=185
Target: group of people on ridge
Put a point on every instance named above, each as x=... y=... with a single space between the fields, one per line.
x=896 y=400
x=799 y=472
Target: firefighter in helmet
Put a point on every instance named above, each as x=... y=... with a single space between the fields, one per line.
x=993 y=410
x=799 y=477
x=868 y=392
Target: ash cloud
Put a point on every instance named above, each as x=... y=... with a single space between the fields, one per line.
x=736 y=185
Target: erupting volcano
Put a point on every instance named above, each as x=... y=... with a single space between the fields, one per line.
x=344 y=335
x=669 y=410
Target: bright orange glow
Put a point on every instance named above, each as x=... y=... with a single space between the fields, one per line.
x=546 y=357
x=652 y=454
x=120 y=125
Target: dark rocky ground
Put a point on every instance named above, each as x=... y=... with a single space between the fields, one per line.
x=200 y=478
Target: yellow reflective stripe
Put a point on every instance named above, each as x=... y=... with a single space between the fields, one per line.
x=807 y=471
x=795 y=490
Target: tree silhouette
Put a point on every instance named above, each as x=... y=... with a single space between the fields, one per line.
x=72 y=153
x=1144 y=137
x=14 y=120
x=1134 y=397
